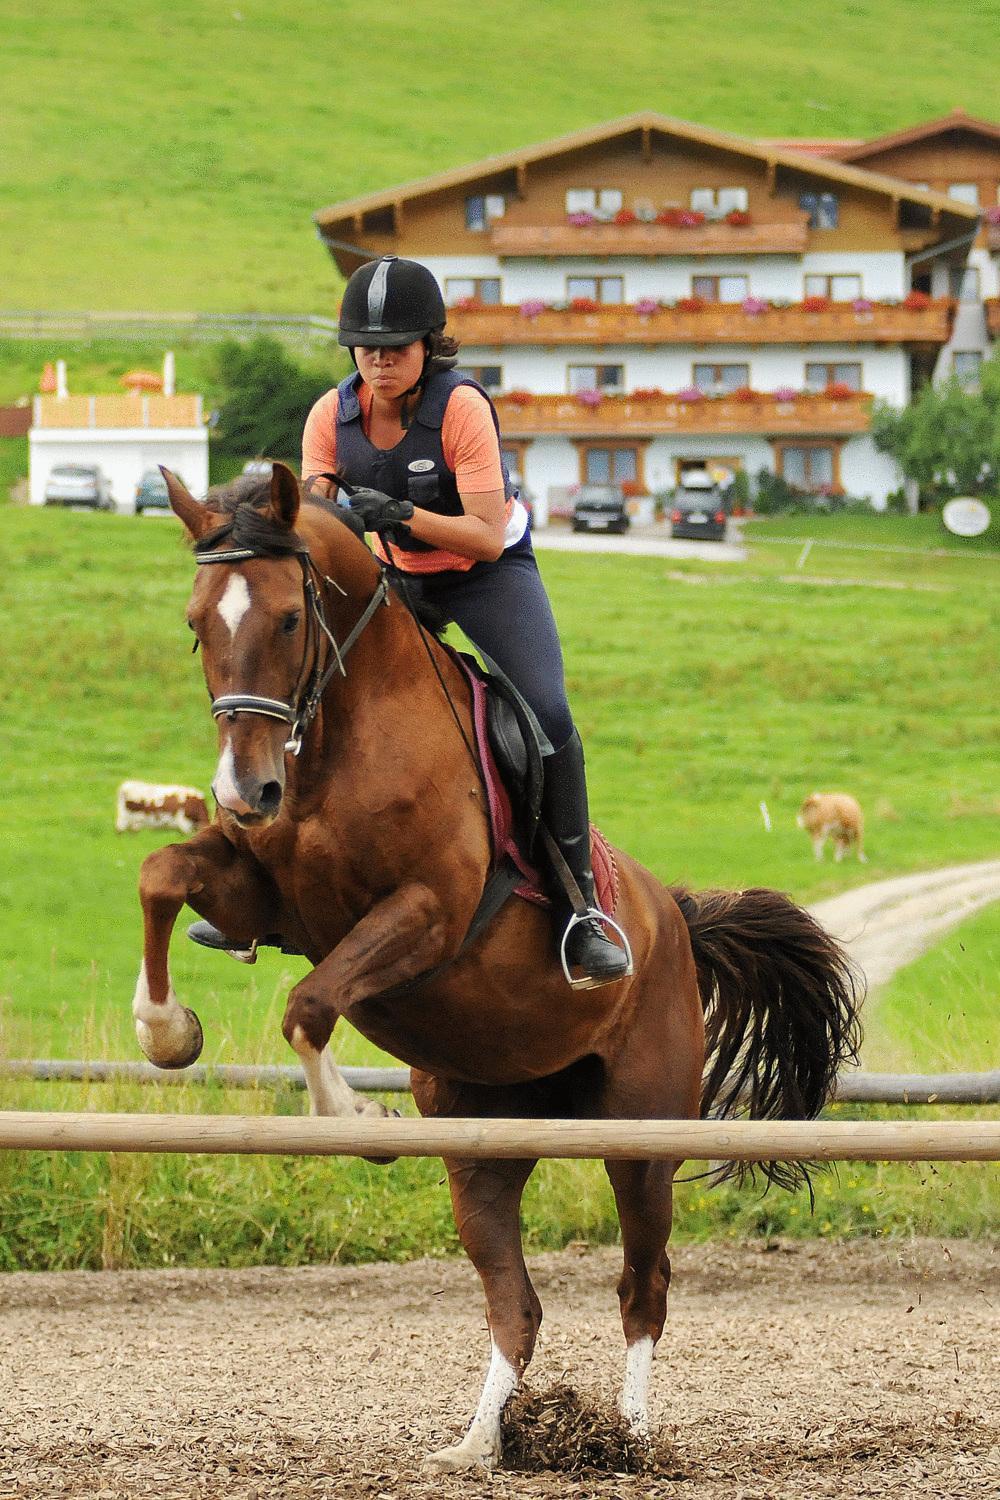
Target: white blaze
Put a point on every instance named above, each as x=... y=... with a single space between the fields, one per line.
x=235 y=602
x=224 y=788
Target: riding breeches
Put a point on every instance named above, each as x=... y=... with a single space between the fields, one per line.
x=504 y=610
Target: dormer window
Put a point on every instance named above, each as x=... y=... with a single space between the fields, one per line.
x=481 y=210
x=603 y=203
x=823 y=209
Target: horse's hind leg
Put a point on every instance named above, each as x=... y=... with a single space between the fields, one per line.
x=486 y=1198
x=644 y=1196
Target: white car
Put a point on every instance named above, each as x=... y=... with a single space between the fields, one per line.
x=79 y=484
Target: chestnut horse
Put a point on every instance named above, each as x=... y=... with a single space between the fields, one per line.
x=352 y=825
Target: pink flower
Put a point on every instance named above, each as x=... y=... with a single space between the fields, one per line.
x=753 y=305
x=691 y=393
x=646 y=306
x=862 y=305
x=580 y=220
x=532 y=308
x=589 y=398
x=992 y=215
x=785 y=393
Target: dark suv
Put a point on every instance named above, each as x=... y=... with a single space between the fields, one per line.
x=601 y=507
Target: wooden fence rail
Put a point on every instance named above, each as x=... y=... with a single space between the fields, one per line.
x=852 y=1088
x=631 y=1140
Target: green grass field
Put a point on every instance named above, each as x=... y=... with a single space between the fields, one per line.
x=174 y=161
x=700 y=692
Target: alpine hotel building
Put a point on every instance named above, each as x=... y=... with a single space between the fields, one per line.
x=649 y=295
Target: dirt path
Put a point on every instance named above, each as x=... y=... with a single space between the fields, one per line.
x=891 y=922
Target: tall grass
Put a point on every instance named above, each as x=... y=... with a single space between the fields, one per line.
x=176 y=163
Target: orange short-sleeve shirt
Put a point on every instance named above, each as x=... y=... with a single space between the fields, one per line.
x=468 y=441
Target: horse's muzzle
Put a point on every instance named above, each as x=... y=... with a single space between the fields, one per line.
x=251 y=792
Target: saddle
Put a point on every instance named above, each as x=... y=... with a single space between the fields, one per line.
x=512 y=746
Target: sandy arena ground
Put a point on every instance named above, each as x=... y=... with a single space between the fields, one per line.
x=867 y=1369
x=813 y=1369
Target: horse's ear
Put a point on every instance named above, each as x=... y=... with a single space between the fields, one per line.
x=195 y=516
x=285 y=497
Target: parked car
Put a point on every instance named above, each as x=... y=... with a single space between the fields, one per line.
x=601 y=507
x=151 y=492
x=698 y=509
x=79 y=484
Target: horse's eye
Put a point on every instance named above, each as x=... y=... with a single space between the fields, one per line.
x=290 y=623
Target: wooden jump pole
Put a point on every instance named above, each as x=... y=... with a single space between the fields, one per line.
x=703 y=1140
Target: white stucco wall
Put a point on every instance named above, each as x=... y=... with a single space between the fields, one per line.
x=865 y=471
x=885 y=371
x=124 y=454
x=883 y=273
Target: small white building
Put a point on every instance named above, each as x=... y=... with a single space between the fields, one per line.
x=125 y=435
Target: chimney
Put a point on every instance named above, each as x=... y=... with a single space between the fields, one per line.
x=169 y=382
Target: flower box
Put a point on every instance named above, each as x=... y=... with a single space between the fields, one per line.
x=815 y=304
x=533 y=307
x=681 y=218
x=691 y=304
x=625 y=216
x=584 y=305
x=738 y=218
x=647 y=306
x=520 y=397
x=581 y=220
x=754 y=306
x=745 y=394
x=646 y=393
x=916 y=301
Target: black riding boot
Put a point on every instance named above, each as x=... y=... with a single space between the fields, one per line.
x=208 y=936
x=564 y=812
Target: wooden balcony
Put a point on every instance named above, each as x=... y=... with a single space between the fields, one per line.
x=117 y=411
x=993 y=316
x=717 y=323
x=620 y=416
x=649 y=239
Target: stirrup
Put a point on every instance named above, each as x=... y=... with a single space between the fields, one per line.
x=589 y=981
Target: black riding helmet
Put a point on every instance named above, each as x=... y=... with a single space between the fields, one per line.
x=388 y=303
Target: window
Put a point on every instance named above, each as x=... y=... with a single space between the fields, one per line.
x=823 y=209
x=963 y=283
x=838 y=287
x=720 y=288
x=602 y=202
x=715 y=203
x=964 y=192
x=490 y=377
x=807 y=468
x=966 y=365
x=477 y=288
x=717 y=380
x=610 y=465
x=605 y=378
x=819 y=376
x=481 y=209
x=598 y=288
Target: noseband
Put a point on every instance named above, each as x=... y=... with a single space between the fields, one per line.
x=303 y=708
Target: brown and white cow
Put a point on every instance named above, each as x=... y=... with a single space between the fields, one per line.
x=834 y=815
x=149 y=804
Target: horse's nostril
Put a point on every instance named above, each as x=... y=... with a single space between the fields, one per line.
x=270 y=796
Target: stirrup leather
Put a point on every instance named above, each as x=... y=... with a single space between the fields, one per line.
x=589 y=981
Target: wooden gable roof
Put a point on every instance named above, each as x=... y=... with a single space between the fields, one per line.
x=912 y=134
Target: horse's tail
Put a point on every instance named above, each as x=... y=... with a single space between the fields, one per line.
x=781 y=1001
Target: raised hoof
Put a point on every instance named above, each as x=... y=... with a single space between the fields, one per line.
x=194 y=1050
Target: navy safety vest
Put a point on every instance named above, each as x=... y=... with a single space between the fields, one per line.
x=415 y=469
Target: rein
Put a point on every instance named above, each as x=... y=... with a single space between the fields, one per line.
x=304 y=706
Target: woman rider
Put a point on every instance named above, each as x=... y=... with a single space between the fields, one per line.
x=419 y=445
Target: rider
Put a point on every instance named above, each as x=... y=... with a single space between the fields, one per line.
x=419 y=445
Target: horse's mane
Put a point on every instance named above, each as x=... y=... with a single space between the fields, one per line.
x=245 y=502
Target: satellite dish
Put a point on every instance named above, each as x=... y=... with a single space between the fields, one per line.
x=966 y=516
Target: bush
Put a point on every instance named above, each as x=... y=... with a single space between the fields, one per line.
x=268 y=397
x=774 y=494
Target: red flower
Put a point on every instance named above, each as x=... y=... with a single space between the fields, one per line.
x=626 y=216
x=738 y=218
x=467 y=304
x=680 y=218
x=815 y=304
x=520 y=398
x=584 y=305
x=691 y=304
x=646 y=393
x=745 y=394
x=916 y=301
x=839 y=390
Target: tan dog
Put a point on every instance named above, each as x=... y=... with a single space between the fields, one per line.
x=833 y=815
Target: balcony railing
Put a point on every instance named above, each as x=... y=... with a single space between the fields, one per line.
x=715 y=323
x=993 y=316
x=617 y=416
x=650 y=239
x=117 y=411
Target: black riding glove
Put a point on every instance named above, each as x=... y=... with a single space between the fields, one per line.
x=378 y=511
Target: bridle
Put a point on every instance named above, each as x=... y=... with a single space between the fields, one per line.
x=312 y=680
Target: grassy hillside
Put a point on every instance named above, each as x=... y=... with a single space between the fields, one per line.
x=171 y=157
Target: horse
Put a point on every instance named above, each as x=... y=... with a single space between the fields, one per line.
x=351 y=826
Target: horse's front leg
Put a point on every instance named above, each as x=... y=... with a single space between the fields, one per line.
x=223 y=886
x=399 y=938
